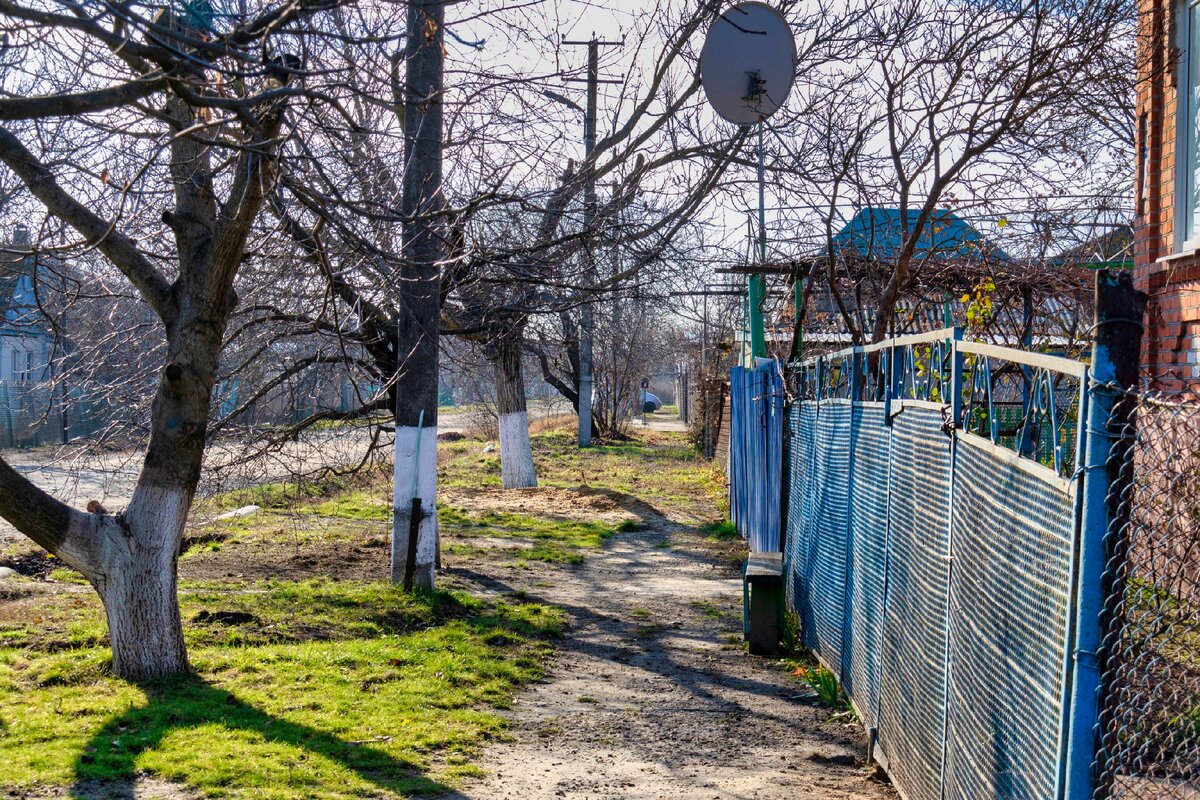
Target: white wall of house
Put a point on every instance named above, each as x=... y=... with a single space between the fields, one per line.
x=24 y=358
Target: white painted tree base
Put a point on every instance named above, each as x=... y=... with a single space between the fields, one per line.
x=423 y=462
x=516 y=454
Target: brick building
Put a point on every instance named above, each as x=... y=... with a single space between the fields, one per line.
x=1167 y=189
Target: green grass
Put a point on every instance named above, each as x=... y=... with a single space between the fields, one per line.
x=555 y=540
x=659 y=468
x=721 y=530
x=363 y=504
x=709 y=609
x=272 y=495
x=316 y=688
x=825 y=684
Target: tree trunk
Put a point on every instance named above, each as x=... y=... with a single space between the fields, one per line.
x=137 y=578
x=424 y=250
x=139 y=590
x=516 y=454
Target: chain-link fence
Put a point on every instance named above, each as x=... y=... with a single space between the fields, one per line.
x=1150 y=716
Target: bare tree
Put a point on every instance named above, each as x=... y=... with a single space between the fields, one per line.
x=156 y=135
x=995 y=111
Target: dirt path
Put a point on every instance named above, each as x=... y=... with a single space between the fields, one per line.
x=652 y=696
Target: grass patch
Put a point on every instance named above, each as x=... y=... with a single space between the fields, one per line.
x=555 y=540
x=708 y=608
x=721 y=531
x=302 y=689
x=268 y=495
x=660 y=468
x=66 y=575
x=363 y=504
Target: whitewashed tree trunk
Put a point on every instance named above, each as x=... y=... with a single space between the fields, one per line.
x=516 y=453
x=139 y=593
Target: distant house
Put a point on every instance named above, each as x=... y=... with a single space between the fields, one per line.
x=26 y=343
x=877 y=234
x=1111 y=250
x=30 y=413
x=1048 y=306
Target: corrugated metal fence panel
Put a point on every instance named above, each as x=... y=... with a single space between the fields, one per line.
x=756 y=455
x=737 y=456
x=869 y=476
x=772 y=405
x=913 y=686
x=1009 y=595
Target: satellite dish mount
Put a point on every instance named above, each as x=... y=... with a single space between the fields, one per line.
x=747 y=68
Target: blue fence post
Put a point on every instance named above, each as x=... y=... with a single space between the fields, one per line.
x=953 y=387
x=1115 y=355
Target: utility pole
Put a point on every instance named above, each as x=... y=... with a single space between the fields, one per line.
x=587 y=323
x=414 y=517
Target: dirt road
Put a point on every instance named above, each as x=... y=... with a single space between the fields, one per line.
x=651 y=694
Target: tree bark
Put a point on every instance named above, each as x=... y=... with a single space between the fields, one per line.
x=516 y=454
x=139 y=590
x=424 y=249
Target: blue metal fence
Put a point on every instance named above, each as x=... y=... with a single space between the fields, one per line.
x=932 y=550
x=756 y=454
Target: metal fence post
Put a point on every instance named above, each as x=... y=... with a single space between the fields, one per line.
x=1116 y=351
x=954 y=401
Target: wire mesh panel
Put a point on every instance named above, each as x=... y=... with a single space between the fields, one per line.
x=1150 y=720
x=1009 y=598
x=870 y=447
x=826 y=573
x=913 y=687
x=801 y=522
x=942 y=559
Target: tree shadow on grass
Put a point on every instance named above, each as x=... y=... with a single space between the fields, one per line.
x=107 y=767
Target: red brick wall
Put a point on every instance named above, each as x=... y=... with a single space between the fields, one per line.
x=1171 y=278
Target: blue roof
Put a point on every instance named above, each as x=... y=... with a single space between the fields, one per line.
x=876 y=233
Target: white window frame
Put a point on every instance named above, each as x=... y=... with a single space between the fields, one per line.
x=1187 y=138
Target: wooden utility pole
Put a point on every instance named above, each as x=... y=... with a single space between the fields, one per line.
x=414 y=531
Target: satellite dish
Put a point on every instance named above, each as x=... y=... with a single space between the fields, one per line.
x=748 y=63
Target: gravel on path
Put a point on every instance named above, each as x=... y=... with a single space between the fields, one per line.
x=651 y=694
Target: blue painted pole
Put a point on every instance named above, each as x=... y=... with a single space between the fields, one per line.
x=1116 y=351
x=954 y=401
